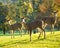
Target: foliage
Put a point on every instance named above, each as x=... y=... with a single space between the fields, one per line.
x=1 y=3
x=3 y=13
x=29 y=8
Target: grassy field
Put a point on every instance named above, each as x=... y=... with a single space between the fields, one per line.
x=51 y=41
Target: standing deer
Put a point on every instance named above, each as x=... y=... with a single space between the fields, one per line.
x=50 y=20
x=33 y=25
x=16 y=26
x=13 y=27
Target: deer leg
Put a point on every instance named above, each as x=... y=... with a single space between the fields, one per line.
x=39 y=35
x=43 y=28
x=20 y=31
x=44 y=33
x=52 y=28
x=30 y=34
x=3 y=30
x=40 y=32
x=58 y=26
x=12 y=34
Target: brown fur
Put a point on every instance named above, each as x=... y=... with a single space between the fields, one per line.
x=33 y=25
x=49 y=21
x=13 y=27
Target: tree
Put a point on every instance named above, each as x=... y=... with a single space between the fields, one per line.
x=3 y=14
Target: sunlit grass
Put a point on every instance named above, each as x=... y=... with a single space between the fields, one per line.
x=51 y=41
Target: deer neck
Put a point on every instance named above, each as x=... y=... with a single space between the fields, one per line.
x=55 y=17
x=10 y=21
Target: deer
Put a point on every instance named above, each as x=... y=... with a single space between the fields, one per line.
x=50 y=20
x=33 y=25
x=13 y=27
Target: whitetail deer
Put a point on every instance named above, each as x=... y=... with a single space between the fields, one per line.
x=16 y=26
x=13 y=27
x=50 y=20
x=33 y=25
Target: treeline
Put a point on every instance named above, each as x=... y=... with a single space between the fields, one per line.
x=27 y=8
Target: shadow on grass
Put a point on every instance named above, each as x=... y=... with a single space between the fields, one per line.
x=41 y=39
x=16 y=41
x=25 y=41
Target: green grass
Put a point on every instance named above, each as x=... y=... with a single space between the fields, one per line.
x=51 y=41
